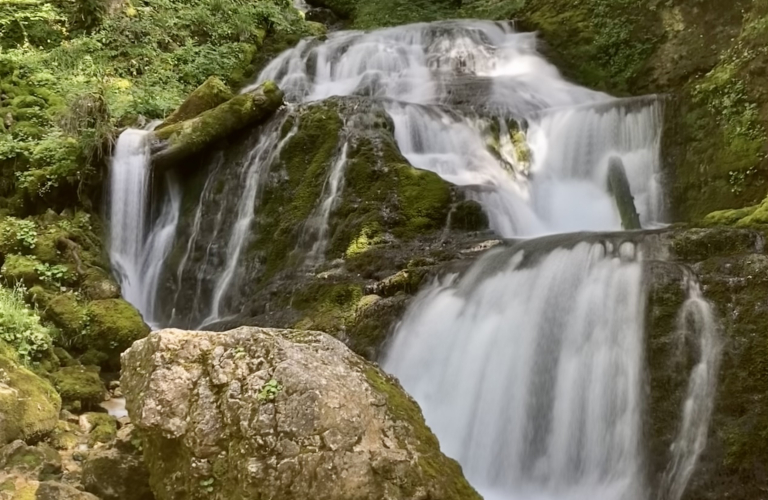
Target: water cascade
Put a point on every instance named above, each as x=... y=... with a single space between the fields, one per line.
x=458 y=91
x=696 y=323
x=529 y=366
x=138 y=249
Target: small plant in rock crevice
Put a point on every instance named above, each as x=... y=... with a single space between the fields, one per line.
x=269 y=391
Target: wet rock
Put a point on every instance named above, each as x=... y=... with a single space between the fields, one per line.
x=260 y=413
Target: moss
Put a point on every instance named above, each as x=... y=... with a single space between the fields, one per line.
x=21 y=269
x=328 y=307
x=192 y=136
x=29 y=405
x=64 y=436
x=469 y=216
x=287 y=203
x=370 y=235
x=114 y=325
x=66 y=312
x=436 y=467
x=209 y=95
x=79 y=385
x=103 y=428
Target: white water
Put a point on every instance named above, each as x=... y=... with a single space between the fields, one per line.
x=530 y=375
x=138 y=252
x=318 y=225
x=696 y=321
x=260 y=159
x=529 y=372
x=485 y=67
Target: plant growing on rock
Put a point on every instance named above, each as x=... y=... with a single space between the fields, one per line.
x=20 y=325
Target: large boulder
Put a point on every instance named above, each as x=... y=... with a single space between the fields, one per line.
x=29 y=405
x=261 y=413
x=183 y=139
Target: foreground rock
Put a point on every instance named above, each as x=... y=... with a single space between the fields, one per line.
x=260 y=413
x=183 y=139
x=29 y=406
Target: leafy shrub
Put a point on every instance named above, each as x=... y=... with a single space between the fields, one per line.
x=20 y=326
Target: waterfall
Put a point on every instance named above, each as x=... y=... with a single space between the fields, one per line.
x=529 y=366
x=696 y=321
x=261 y=157
x=445 y=84
x=528 y=369
x=318 y=224
x=137 y=249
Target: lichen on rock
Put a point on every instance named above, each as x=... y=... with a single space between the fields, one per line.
x=257 y=413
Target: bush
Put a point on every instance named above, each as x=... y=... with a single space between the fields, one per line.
x=20 y=326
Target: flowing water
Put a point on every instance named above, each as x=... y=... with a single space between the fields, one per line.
x=457 y=92
x=530 y=372
x=529 y=367
x=137 y=249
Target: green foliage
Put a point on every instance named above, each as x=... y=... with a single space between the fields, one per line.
x=269 y=391
x=20 y=326
x=17 y=231
x=53 y=274
x=72 y=72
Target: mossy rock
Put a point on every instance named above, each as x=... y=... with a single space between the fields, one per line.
x=97 y=285
x=209 y=95
x=29 y=405
x=66 y=312
x=41 y=462
x=79 y=386
x=114 y=325
x=469 y=216
x=64 y=436
x=183 y=139
x=102 y=428
x=21 y=269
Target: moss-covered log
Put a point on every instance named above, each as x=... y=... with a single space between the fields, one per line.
x=181 y=140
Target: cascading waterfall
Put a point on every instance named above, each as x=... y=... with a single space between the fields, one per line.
x=696 y=320
x=528 y=367
x=260 y=159
x=137 y=250
x=529 y=370
x=446 y=84
x=317 y=226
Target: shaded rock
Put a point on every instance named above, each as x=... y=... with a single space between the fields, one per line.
x=186 y=138
x=119 y=472
x=29 y=405
x=40 y=462
x=24 y=488
x=260 y=413
x=79 y=386
x=100 y=427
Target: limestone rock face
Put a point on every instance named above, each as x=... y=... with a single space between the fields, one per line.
x=262 y=413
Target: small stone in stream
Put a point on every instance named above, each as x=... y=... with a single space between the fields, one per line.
x=123 y=421
x=114 y=385
x=68 y=416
